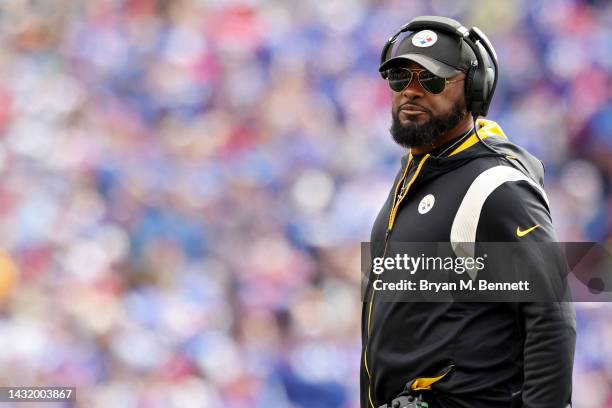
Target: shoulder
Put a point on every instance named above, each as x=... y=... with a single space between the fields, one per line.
x=500 y=200
x=515 y=211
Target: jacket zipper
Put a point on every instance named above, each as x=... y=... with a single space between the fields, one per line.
x=394 y=209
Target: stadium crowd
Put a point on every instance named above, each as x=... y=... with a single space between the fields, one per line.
x=185 y=186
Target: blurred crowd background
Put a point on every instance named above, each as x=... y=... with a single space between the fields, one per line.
x=184 y=186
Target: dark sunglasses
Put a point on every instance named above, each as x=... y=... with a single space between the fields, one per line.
x=399 y=79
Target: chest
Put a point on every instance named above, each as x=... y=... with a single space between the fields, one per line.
x=427 y=212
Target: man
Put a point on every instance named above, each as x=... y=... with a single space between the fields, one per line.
x=462 y=181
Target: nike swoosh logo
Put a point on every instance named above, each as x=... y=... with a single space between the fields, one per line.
x=520 y=233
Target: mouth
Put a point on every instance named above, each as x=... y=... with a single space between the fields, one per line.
x=411 y=112
x=410 y=109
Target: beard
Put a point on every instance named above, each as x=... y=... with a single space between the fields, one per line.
x=415 y=135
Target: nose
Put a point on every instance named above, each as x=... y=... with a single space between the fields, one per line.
x=414 y=88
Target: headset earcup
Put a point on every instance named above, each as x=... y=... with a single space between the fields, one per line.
x=488 y=79
x=469 y=81
x=482 y=84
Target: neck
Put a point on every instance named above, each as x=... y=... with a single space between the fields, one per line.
x=462 y=127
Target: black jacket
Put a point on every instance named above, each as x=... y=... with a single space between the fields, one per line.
x=501 y=354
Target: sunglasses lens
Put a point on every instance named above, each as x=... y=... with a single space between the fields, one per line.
x=431 y=83
x=399 y=79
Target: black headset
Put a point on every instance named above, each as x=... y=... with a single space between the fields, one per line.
x=481 y=78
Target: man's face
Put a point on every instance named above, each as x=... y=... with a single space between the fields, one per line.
x=438 y=113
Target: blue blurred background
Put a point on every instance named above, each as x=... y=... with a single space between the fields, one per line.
x=184 y=186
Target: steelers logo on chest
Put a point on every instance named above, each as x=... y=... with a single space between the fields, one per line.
x=426 y=204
